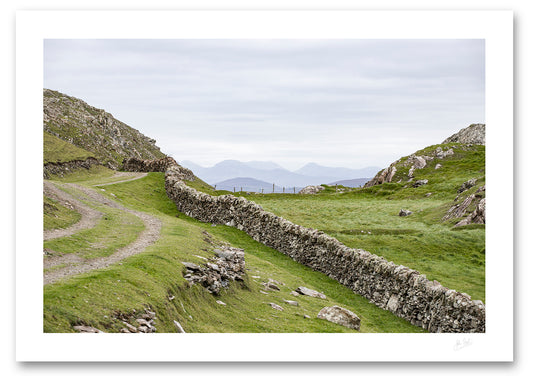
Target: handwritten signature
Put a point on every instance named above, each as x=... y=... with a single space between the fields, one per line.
x=462 y=343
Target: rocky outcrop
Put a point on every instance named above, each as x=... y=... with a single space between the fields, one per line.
x=384 y=176
x=477 y=216
x=403 y=291
x=63 y=168
x=94 y=130
x=341 y=316
x=473 y=134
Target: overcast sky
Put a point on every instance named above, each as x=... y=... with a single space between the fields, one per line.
x=349 y=103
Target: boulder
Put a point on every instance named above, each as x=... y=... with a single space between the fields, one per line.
x=404 y=212
x=420 y=183
x=311 y=190
x=87 y=329
x=275 y=306
x=307 y=291
x=341 y=316
x=467 y=185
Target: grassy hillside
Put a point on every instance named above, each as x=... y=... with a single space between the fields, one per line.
x=154 y=279
x=57 y=215
x=368 y=218
x=57 y=150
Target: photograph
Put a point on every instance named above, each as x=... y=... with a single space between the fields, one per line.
x=247 y=186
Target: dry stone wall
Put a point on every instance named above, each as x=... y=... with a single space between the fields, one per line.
x=399 y=289
x=157 y=165
x=63 y=168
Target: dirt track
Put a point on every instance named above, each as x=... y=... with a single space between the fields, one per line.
x=76 y=264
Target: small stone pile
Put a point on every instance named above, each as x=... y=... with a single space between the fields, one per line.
x=143 y=322
x=228 y=265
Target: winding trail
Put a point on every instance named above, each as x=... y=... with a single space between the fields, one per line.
x=132 y=175
x=89 y=216
x=75 y=264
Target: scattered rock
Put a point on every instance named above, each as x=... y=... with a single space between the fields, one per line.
x=263 y=292
x=275 y=306
x=271 y=286
x=428 y=194
x=420 y=183
x=404 y=212
x=291 y=302
x=191 y=266
x=294 y=293
x=307 y=317
x=179 y=327
x=437 y=166
x=221 y=302
x=341 y=316
x=467 y=185
x=87 y=329
x=307 y=291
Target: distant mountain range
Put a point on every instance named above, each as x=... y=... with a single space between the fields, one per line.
x=264 y=174
x=254 y=185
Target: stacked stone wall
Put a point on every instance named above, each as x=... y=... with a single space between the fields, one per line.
x=157 y=165
x=399 y=289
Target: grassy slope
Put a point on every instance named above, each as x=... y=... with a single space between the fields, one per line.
x=150 y=278
x=368 y=219
x=56 y=150
x=57 y=215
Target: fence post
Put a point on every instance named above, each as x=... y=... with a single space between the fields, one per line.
x=283 y=189
x=233 y=189
x=294 y=190
x=272 y=187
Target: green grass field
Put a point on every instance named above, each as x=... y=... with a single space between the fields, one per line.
x=154 y=279
x=56 y=150
x=367 y=218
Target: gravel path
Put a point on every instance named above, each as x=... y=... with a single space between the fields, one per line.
x=75 y=264
x=132 y=176
x=89 y=216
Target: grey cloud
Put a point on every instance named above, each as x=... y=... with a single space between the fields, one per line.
x=245 y=93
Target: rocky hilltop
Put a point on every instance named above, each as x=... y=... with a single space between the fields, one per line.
x=94 y=130
x=455 y=167
x=473 y=134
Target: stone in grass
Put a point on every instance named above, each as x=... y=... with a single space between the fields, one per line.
x=404 y=212
x=307 y=291
x=291 y=302
x=341 y=316
x=191 y=266
x=179 y=327
x=275 y=306
x=87 y=329
x=220 y=302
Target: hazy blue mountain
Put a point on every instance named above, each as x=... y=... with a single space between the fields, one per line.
x=353 y=183
x=252 y=185
x=313 y=169
x=270 y=172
